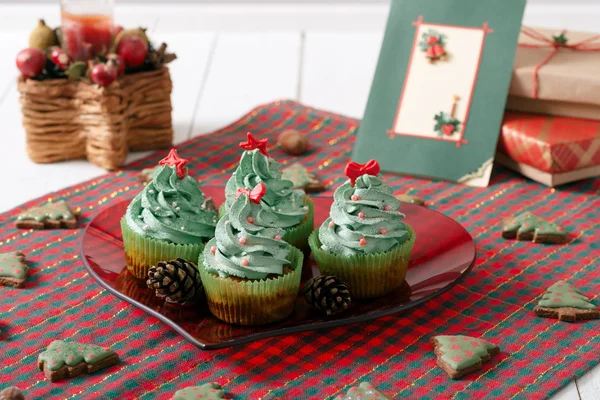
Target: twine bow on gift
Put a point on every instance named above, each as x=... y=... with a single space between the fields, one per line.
x=355 y=170
x=254 y=195
x=591 y=44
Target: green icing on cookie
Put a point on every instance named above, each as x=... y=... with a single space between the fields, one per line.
x=150 y=173
x=61 y=353
x=527 y=222
x=365 y=391
x=12 y=265
x=563 y=294
x=299 y=175
x=54 y=211
x=208 y=391
x=461 y=352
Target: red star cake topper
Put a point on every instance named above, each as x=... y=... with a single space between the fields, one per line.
x=254 y=143
x=255 y=195
x=174 y=160
x=355 y=170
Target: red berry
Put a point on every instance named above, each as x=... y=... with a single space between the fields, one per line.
x=31 y=62
x=448 y=129
x=103 y=74
x=133 y=49
x=118 y=60
x=60 y=58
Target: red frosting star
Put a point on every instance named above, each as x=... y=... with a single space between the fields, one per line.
x=254 y=143
x=174 y=160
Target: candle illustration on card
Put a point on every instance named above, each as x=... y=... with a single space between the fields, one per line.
x=446 y=125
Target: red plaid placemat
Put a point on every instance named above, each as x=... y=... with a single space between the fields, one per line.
x=60 y=301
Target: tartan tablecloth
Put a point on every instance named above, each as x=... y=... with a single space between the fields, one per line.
x=495 y=302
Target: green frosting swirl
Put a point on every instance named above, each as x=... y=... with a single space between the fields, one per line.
x=283 y=201
x=170 y=208
x=364 y=219
x=247 y=243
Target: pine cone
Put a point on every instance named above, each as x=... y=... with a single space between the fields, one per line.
x=178 y=281
x=327 y=294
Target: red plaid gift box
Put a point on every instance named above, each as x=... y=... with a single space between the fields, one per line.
x=551 y=150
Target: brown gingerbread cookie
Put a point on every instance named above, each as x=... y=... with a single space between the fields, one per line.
x=564 y=302
x=70 y=359
x=146 y=175
x=13 y=269
x=406 y=198
x=527 y=226
x=48 y=216
x=460 y=355
x=302 y=178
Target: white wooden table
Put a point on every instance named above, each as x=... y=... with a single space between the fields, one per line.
x=232 y=58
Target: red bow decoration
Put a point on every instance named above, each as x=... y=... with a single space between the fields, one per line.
x=174 y=160
x=255 y=195
x=355 y=170
x=254 y=143
x=590 y=44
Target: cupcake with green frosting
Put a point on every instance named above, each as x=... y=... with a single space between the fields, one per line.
x=251 y=276
x=167 y=220
x=364 y=242
x=293 y=208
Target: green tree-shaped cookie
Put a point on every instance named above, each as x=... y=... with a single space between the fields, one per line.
x=364 y=391
x=566 y=303
x=527 y=226
x=60 y=353
x=207 y=391
x=460 y=355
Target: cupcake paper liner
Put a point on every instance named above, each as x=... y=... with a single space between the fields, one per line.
x=141 y=252
x=298 y=235
x=253 y=302
x=367 y=275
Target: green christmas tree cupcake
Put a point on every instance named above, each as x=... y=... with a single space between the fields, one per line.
x=364 y=242
x=250 y=275
x=166 y=220
x=293 y=208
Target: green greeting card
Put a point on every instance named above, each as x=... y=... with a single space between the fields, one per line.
x=440 y=88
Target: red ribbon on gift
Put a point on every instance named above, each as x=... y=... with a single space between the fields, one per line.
x=355 y=170
x=255 y=195
x=591 y=44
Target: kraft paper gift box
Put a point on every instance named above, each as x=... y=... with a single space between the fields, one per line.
x=548 y=149
x=556 y=73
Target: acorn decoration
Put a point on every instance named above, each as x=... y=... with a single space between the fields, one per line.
x=327 y=294
x=293 y=142
x=177 y=281
x=11 y=393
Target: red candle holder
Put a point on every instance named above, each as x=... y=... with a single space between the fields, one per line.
x=87 y=27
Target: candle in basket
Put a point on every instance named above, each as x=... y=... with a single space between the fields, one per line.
x=87 y=27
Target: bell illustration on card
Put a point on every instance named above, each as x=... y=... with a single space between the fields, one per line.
x=433 y=44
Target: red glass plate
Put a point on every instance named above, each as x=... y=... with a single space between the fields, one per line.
x=443 y=253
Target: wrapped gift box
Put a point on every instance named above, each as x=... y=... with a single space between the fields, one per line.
x=551 y=150
x=557 y=74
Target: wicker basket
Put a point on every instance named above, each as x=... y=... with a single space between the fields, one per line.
x=67 y=119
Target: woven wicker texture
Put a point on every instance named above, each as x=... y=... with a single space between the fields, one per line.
x=66 y=119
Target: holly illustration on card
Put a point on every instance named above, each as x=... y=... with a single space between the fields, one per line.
x=433 y=45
